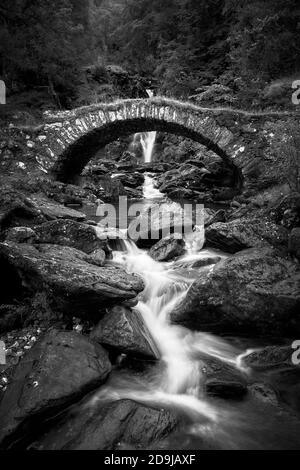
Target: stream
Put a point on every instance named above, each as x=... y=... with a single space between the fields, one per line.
x=176 y=380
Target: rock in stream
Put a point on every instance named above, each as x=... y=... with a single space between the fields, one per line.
x=59 y=370
x=71 y=279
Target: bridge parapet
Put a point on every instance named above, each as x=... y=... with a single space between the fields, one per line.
x=73 y=137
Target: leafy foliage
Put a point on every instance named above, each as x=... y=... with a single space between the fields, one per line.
x=180 y=45
x=264 y=37
x=287 y=152
x=41 y=43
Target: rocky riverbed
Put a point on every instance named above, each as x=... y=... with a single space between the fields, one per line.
x=71 y=326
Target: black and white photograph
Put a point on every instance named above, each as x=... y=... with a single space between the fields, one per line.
x=149 y=228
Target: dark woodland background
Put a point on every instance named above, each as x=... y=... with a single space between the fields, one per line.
x=228 y=50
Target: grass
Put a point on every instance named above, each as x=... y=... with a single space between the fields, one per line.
x=187 y=106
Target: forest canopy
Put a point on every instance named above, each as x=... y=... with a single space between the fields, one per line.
x=182 y=45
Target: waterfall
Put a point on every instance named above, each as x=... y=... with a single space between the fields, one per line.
x=147 y=142
x=145 y=139
x=178 y=380
x=179 y=383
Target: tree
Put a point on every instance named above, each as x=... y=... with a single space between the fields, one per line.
x=264 y=37
x=173 y=40
x=41 y=44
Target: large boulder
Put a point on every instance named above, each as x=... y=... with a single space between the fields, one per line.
x=60 y=369
x=130 y=180
x=161 y=220
x=110 y=188
x=167 y=249
x=52 y=210
x=97 y=257
x=125 y=331
x=243 y=233
x=17 y=210
x=254 y=290
x=70 y=277
x=222 y=380
x=271 y=357
x=121 y=424
x=187 y=176
x=206 y=261
x=70 y=233
x=193 y=176
x=283 y=372
x=166 y=177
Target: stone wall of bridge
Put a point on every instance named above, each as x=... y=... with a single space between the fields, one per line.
x=241 y=139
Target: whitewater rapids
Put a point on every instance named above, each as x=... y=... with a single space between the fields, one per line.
x=179 y=382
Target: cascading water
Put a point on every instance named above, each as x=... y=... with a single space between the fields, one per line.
x=179 y=383
x=146 y=139
x=177 y=379
x=149 y=191
x=166 y=284
x=147 y=142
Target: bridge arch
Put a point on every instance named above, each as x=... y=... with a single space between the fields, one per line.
x=72 y=138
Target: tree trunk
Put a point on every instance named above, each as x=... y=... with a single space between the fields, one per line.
x=53 y=93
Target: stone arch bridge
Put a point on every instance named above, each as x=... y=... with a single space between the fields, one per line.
x=72 y=138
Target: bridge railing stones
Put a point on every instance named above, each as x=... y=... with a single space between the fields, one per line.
x=160 y=102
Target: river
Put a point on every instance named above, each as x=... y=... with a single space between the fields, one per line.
x=176 y=379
